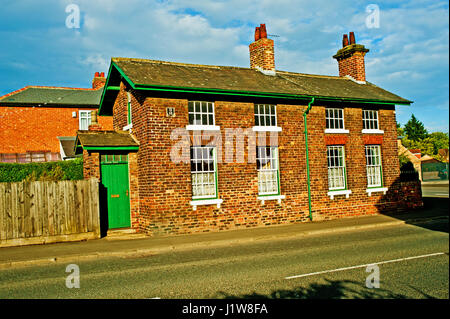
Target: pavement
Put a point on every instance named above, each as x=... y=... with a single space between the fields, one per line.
x=138 y=246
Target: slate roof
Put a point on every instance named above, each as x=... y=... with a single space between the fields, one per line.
x=43 y=96
x=206 y=77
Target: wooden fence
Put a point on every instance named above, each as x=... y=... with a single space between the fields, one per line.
x=43 y=212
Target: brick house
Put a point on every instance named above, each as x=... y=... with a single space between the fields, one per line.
x=44 y=119
x=218 y=148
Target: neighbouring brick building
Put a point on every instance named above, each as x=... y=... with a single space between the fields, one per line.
x=344 y=164
x=43 y=119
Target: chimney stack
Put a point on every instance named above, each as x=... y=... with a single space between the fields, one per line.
x=99 y=80
x=262 y=55
x=351 y=58
x=94 y=126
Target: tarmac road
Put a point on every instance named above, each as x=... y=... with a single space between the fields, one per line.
x=413 y=263
x=435 y=189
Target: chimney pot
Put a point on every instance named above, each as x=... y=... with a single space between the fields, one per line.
x=99 y=80
x=345 y=41
x=262 y=31
x=352 y=38
x=257 y=34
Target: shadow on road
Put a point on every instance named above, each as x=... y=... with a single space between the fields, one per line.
x=433 y=216
x=332 y=289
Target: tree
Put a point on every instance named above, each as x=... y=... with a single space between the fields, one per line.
x=415 y=130
x=400 y=131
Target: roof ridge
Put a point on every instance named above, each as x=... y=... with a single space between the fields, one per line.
x=169 y=62
x=61 y=87
x=312 y=75
x=220 y=66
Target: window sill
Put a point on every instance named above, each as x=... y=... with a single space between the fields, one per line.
x=271 y=197
x=374 y=190
x=366 y=131
x=266 y=129
x=336 y=131
x=128 y=127
x=198 y=202
x=345 y=192
x=202 y=128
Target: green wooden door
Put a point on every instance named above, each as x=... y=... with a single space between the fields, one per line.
x=114 y=175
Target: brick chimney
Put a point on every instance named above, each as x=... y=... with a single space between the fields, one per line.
x=99 y=80
x=262 y=55
x=94 y=126
x=351 y=58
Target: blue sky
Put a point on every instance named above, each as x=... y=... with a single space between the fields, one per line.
x=409 y=52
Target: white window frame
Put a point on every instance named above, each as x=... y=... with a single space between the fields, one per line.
x=265 y=172
x=339 y=117
x=198 y=170
x=371 y=122
x=338 y=171
x=198 y=124
x=261 y=116
x=374 y=167
x=81 y=117
x=129 y=114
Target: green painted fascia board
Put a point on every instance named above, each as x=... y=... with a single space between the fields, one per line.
x=111 y=148
x=104 y=91
x=261 y=94
x=124 y=75
x=113 y=88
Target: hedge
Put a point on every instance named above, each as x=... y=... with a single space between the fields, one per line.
x=61 y=170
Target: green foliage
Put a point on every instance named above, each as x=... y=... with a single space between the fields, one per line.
x=415 y=130
x=403 y=160
x=47 y=171
x=415 y=136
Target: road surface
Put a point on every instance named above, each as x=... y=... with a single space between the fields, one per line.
x=412 y=260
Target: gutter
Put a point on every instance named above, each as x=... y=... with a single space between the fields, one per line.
x=181 y=89
x=307 y=157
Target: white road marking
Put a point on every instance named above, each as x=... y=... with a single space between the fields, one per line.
x=365 y=265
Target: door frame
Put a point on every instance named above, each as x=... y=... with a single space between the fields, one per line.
x=105 y=155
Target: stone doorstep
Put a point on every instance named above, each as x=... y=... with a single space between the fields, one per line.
x=123 y=233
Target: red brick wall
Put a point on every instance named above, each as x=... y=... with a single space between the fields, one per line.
x=262 y=54
x=353 y=66
x=36 y=128
x=164 y=187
